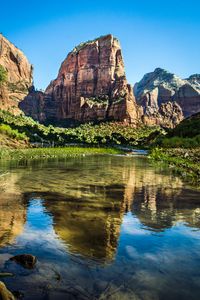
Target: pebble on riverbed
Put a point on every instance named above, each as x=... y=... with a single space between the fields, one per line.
x=27 y=261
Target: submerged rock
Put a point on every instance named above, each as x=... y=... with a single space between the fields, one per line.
x=26 y=260
x=5 y=294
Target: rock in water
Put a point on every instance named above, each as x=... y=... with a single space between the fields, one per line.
x=5 y=294
x=19 y=76
x=91 y=86
x=26 y=260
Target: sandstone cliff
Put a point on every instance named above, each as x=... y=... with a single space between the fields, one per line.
x=19 y=76
x=91 y=86
x=160 y=90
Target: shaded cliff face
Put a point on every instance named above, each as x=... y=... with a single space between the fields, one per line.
x=19 y=76
x=161 y=89
x=91 y=86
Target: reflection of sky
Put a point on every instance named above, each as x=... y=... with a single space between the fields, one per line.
x=174 y=249
x=149 y=261
x=39 y=235
x=37 y=217
x=135 y=242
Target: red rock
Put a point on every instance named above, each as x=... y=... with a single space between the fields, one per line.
x=19 y=76
x=91 y=86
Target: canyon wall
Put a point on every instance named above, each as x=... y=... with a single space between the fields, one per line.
x=166 y=97
x=91 y=86
x=19 y=76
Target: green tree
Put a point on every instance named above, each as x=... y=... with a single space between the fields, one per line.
x=3 y=74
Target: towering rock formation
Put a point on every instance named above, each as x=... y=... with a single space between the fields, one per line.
x=91 y=86
x=166 y=98
x=188 y=95
x=19 y=76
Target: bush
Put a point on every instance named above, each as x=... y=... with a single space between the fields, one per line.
x=13 y=133
x=179 y=142
x=3 y=74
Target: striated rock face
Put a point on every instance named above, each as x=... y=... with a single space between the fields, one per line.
x=19 y=75
x=188 y=97
x=166 y=98
x=167 y=115
x=91 y=86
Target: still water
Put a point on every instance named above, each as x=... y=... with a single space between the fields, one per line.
x=102 y=227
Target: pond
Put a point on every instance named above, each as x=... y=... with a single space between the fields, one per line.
x=101 y=227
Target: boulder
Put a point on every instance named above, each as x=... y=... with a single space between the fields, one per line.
x=28 y=261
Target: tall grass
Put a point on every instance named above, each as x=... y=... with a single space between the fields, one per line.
x=45 y=153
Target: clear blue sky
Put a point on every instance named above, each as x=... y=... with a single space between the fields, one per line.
x=152 y=33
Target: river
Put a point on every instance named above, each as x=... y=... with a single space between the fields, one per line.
x=101 y=227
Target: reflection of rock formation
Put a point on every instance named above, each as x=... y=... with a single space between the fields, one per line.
x=161 y=208
x=12 y=210
x=90 y=228
x=87 y=203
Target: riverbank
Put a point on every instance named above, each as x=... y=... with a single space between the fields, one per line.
x=185 y=162
x=45 y=153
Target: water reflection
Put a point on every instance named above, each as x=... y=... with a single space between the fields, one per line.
x=161 y=208
x=87 y=204
x=118 y=224
x=12 y=210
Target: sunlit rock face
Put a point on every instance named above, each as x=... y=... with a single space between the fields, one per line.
x=91 y=86
x=19 y=76
x=166 y=99
x=12 y=210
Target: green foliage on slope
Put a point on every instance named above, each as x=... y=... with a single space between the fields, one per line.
x=184 y=135
x=104 y=133
x=3 y=74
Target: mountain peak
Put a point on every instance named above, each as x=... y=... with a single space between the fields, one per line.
x=108 y=37
x=155 y=79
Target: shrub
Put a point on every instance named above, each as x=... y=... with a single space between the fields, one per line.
x=13 y=133
x=3 y=74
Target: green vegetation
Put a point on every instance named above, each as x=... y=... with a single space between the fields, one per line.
x=18 y=86
x=13 y=133
x=46 y=153
x=101 y=134
x=185 y=135
x=3 y=74
x=188 y=128
x=83 y=44
x=97 y=100
x=183 y=161
x=180 y=148
x=179 y=142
